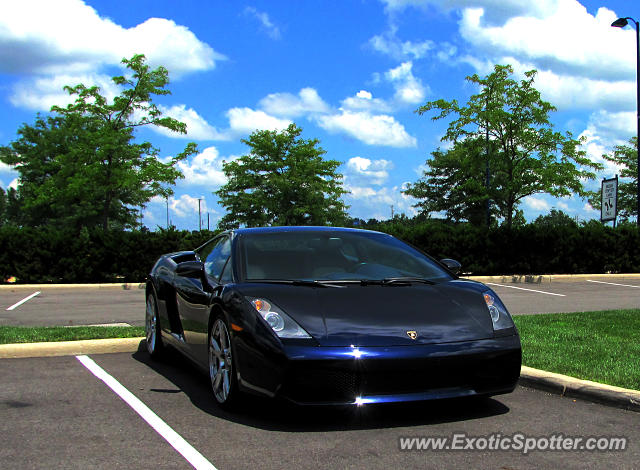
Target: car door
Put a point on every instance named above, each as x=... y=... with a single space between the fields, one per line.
x=194 y=295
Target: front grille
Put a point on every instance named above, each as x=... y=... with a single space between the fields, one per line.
x=309 y=382
x=343 y=381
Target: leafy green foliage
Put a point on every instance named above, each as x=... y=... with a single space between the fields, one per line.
x=526 y=156
x=10 y=207
x=626 y=157
x=282 y=181
x=81 y=167
x=454 y=183
x=51 y=255
x=555 y=218
x=527 y=249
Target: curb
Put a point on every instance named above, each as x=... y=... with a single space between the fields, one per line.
x=124 y=286
x=559 y=384
x=565 y=385
x=70 y=348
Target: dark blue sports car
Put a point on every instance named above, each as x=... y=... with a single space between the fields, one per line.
x=321 y=315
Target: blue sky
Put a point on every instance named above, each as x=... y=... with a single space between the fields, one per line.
x=350 y=73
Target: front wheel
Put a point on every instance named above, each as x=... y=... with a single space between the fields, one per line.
x=152 y=327
x=221 y=368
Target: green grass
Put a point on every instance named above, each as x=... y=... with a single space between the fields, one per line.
x=21 y=334
x=599 y=346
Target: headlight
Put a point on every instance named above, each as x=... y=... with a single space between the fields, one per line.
x=498 y=312
x=281 y=323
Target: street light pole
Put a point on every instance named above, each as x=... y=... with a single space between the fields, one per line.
x=199 y=215
x=621 y=23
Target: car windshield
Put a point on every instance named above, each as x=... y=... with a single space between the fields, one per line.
x=333 y=255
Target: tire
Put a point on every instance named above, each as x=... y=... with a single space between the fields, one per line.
x=222 y=370
x=153 y=333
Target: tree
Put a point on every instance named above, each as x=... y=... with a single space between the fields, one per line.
x=283 y=180
x=626 y=158
x=10 y=209
x=81 y=166
x=3 y=207
x=454 y=183
x=555 y=218
x=526 y=155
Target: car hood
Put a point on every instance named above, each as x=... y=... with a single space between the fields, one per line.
x=383 y=315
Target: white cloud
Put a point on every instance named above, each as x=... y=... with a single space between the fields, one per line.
x=187 y=205
x=583 y=62
x=267 y=25
x=288 y=105
x=589 y=209
x=359 y=192
x=371 y=129
x=612 y=128
x=389 y=44
x=205 y=169
x=536 y=203
x=364 y=101
x=7 y=169
x=409 y=89
x=197 y=127
x=572 y=92
x=564 y=36
x=14 y=183
x=367 y=202
x=247 y=120
x=183 y=211
x=497 y=10
x=69 y=36
x=602 y=134
x=368 y=171
x=39 y=94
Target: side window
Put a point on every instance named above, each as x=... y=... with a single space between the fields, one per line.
x=227 y=275
x=217 y=258
x=204 y=251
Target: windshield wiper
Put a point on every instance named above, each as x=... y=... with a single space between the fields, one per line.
x=395 y=281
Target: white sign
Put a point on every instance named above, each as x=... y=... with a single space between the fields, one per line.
x=609 y=203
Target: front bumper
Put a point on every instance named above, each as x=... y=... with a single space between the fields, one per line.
x=352 y=375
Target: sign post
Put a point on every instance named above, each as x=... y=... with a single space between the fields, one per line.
x=609 y=202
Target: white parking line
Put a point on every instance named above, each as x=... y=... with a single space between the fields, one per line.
x=614 y=284
x=17 y=304
x=522 y=288
x=194 y=457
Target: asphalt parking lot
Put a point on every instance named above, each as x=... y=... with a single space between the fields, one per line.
x=56 y=413
x=114 y=304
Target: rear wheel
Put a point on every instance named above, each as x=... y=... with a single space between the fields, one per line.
x=222 y=372
x=152 y=327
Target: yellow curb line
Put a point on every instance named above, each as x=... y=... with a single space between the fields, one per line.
x=585 y=389
x=70 y=348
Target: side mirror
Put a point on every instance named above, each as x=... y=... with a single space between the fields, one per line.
x=454 y=266
x=190 y=269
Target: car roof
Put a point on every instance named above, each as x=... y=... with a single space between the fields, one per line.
x=281 y=229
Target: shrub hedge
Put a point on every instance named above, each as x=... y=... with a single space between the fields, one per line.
x=54 y=256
